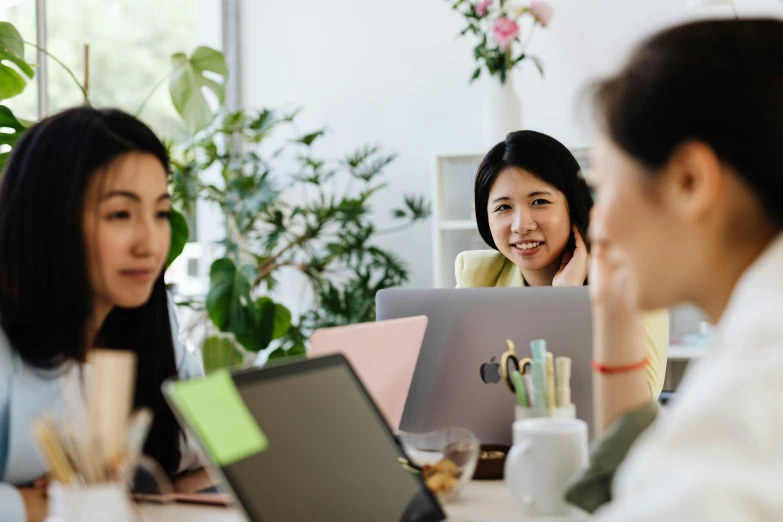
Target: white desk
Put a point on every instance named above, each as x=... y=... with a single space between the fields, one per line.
x=480 y=502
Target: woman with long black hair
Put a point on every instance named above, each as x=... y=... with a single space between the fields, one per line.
x=84 y=237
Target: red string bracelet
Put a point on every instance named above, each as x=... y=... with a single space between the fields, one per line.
x=619 y=369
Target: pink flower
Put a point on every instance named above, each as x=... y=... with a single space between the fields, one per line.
x=542 y=11
x=481 y=8
x=505 y=31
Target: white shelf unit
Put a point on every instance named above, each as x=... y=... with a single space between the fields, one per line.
x=454 y=225
x=454 y=222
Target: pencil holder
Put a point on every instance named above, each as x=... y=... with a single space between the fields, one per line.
x=90 y=503
x=564 y=412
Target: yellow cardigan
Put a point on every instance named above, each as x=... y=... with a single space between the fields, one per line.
x=488 y=268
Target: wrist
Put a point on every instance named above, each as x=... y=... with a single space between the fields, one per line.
x=619 y=369
x=618 y=341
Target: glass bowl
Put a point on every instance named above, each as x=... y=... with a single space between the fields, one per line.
x=447 y=458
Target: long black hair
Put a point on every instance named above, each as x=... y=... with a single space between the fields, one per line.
x=719 y=82
x=45 y=294
x=543 y=157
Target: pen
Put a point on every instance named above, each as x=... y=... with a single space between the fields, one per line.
x=519 y=387
x=528 y=380
x=538 y=347
x=563 y=381
x=539 y=384
x=550 y=383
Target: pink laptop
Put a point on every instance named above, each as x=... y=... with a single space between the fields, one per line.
x=383 y=354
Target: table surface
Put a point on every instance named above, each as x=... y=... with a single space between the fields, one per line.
x=480 y=501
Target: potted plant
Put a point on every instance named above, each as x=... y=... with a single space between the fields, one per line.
x=504 y=29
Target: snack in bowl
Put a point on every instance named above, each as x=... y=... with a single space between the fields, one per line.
x=446 y=458
x=442 y=477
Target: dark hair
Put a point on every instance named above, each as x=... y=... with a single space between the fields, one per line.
x=543 y=157
x=719 y=82
x=45 y=294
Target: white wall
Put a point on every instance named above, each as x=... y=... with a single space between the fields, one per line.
x=394 y=73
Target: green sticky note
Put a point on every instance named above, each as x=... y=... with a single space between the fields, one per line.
x=216 y=412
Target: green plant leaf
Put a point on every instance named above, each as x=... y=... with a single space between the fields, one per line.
x=188 y=80
x=280 y=353
x=538 y=62
x=297 y=350
x=308 y=139
x=220 y=352
x=476 y=74
x=282 y=321
x=179 y=235
x=268 y=310
x=12 y=50
x=12 y=129
x=10 y=39
x=228 y=301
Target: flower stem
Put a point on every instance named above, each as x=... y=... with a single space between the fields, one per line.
x=529 y=37
x=147 y=99
x=69 y=71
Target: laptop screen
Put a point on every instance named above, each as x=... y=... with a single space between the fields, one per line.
x=330 y=456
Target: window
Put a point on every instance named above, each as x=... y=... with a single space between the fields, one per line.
x=130 y=47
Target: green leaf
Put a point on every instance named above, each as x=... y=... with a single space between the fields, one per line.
x=297 y=350
x=539 y=64
x=280 y=353
x=188 y=80
x=259 y=337
x=179 y=235
x=308 y=139
x=476 y=74
x=9 y=122
x=13 y=130
x=282 y=321
x=228 y=301
x=12 y=50
x=219 y=352
x=10 y=39
x=11 y=82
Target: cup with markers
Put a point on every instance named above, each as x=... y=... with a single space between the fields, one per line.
x=542 y=384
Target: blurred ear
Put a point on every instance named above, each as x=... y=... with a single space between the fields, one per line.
x=692 y=181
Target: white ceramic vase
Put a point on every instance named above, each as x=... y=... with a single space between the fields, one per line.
x=502 y=110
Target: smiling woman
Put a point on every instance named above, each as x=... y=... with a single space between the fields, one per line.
x=84 y=239
x=533 y=209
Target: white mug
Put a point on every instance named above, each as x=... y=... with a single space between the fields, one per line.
x=547 y=453
x=90 y=503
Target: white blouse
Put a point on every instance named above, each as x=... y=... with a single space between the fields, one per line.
x=26 y=393
x=717 y=453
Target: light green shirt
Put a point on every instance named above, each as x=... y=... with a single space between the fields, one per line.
x=489 y=268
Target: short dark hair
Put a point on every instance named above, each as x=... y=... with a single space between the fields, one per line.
x=717 y=81
x=45 y=293
x=541 y=156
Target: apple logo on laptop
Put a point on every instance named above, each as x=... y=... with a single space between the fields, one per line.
x=490 y=372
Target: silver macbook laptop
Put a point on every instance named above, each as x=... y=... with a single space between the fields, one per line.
x=456 y=381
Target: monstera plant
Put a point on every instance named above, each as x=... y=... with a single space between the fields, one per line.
x=186 y=82
x=327 y=235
